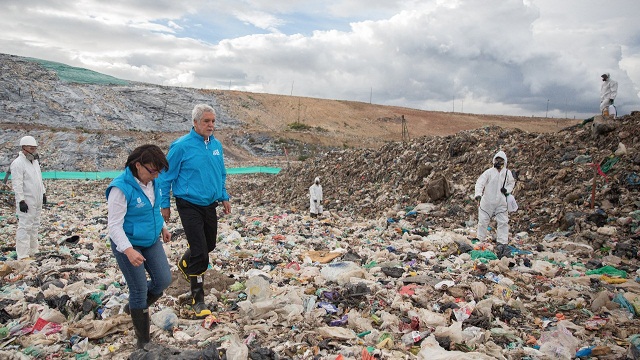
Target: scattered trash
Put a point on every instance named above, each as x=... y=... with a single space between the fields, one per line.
x=385 y=273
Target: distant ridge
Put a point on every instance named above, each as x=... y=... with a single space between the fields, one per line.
x=72 y=74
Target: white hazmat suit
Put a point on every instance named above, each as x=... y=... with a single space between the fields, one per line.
x=315 y=197
x=608 y=91
x=493 y=202
x=26 y=179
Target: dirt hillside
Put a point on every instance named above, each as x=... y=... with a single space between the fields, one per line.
x=335 y=123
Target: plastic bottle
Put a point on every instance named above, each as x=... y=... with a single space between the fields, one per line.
x=584 y=352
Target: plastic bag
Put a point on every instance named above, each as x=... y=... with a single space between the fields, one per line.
x=341 y=272
x=559 y=343
x=512 y=205
x=165 y=319
x=431 y=350
x=258 y=289
x=237 y=350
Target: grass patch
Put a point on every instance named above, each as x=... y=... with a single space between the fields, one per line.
x=298 y=126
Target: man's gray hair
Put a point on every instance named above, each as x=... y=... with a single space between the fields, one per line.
x=199 y=110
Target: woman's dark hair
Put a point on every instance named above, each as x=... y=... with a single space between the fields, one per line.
x=147 y=154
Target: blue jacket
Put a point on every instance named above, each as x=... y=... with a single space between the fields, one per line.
x=142 y=222
x=196 y=171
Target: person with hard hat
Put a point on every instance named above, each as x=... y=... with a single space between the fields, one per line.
x=28 y=187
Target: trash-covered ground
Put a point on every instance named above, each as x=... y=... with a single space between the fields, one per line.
x=391 y=270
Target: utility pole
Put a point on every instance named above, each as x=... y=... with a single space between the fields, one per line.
x=370 y=95
x=291 y=88
x=547 y=114
x=405 y=130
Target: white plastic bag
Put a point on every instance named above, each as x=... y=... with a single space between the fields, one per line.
x=237 y=350
x=559 y=343
x=512 y=205
x=166 y=319
x=258 y=289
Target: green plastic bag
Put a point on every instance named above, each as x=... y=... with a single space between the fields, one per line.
x=608 y=270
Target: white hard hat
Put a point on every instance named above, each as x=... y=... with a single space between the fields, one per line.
x=28 y=141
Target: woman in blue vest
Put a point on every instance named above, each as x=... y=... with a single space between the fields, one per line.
x=135 y=229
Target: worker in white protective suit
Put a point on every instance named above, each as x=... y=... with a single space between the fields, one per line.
x=608 y=91
x=315 y=198
x=29 y=190
x=491 y=191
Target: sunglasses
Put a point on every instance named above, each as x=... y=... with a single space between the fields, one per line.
x=152 y=172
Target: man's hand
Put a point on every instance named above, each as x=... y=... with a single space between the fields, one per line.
x=166 y=214
x=478 y=198
x=611 y=101
x=44 y=199
x=503 y=191
x=226 y=207
x=314 y=200
x=23 y=206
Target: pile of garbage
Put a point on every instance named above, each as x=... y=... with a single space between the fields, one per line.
x=556 y=174
x=390 y=270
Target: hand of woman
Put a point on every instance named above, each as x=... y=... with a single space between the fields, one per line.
x=166 y=235
x=135 y=258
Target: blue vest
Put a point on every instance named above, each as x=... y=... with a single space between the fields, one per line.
x=142 y=222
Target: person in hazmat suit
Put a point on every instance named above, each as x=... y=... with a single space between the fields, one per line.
x=315 y=198
x=491 y=191
x=608 y=91
x=26 y=180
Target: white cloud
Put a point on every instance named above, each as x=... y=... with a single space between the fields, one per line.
x=504 y=56
x=173 y=25
x=260 y=20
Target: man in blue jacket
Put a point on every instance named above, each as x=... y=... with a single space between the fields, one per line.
x=197 y=178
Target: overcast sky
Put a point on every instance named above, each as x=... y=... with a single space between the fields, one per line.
x=482 y=56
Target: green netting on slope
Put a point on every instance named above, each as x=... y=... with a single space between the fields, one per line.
x=79 y=75
x=74 y=175
x=253 y=170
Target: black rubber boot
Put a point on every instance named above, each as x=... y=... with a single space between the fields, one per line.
x=183 y=264
x=197 y=293
x=141 y=323
x=151 y=299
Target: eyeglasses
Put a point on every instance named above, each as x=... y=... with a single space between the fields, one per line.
x=152 y=172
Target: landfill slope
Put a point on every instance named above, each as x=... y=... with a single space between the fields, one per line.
x=554 y=176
